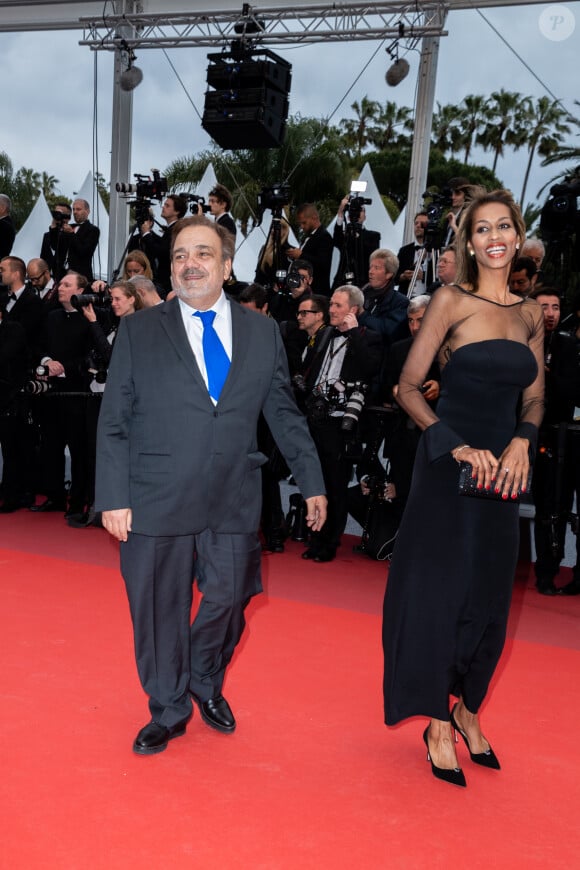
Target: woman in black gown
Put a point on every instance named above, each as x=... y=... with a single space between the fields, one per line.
x=449 y=587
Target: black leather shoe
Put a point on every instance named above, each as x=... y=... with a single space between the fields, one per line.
x=154 y=738
x=310 y=553
x=274 y=544
x=48 y=505
x=546 y=587
x=217 y=714
x=325 y=554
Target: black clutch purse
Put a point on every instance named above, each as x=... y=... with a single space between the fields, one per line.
x=468 y=486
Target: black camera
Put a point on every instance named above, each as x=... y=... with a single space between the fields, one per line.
x=59 y=216
x=560 y=217
x=354 y=207
x=36 y=388
x=82 y=300
x=275 y=198
x=197 y=204
x=286 y=282
x=146 y=187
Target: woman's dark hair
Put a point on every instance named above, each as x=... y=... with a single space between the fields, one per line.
x=467 y=269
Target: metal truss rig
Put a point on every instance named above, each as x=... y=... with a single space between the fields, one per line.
x=274 y=25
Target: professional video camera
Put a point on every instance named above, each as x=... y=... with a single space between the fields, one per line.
x=59 y=217
x=356 y=202
x=275 y=198
x=197 y=204
x=435 y=204
x=145 y=190
x=560 y=216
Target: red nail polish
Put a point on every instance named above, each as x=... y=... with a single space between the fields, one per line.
x=480 y=486
x=514 y=495
x=504 y=496
x=497 y=489
x=488 y=486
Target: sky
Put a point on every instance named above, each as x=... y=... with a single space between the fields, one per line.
x=48 y=94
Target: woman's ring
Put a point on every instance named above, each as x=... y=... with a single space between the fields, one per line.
x=506 y=470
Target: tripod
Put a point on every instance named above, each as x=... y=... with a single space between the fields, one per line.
x=421 y=264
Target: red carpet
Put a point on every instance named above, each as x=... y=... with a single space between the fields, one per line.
x=311 y=778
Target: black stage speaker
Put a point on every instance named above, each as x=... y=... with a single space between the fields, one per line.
x=248 y=107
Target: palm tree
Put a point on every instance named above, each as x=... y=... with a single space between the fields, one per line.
x=48 y=184
x=565 y=152
x=546 y=130
x=357 y=129
x=389 y=123
x=472 y=113
x=446 y=131
x=504 y=125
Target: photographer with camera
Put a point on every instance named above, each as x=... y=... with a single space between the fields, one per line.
x=317 y=246
x=70 y=247
x=220 y=203
x=412 y=254
x=333 y=379
x=61 y=411
x=557 y=465
x=157 y=247
x=353 y=240
x=54 y=246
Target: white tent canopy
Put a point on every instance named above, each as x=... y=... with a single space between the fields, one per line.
x=28 y=241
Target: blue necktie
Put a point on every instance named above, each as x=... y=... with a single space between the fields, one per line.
x=217 y=363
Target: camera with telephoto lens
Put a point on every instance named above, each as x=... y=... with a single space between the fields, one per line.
x=275 y=198
x=83 y=300
x=59 y=217
x=354 y=207
x=354 y=405
x=36 y=387
x=560 y=215
x=438 y=202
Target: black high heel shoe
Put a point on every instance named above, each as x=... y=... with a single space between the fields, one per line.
x=454 y=775
x=486 y=759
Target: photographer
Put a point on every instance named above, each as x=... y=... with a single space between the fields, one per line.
x=316 y=247
x=220 y=204
x=557 y=465
x=66 y=345
x=409 y=255
x=72 y=246
x=354 y=241
x=347 y=357
x=156 y=247
x=54 y=246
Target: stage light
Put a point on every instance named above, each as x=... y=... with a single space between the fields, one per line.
x=397 y=72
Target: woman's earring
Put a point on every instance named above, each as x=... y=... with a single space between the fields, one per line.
x=518 y=246
x=471 y=253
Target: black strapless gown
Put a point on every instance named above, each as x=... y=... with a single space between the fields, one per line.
x=450 y=582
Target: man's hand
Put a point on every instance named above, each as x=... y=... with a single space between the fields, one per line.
x=316 y=512
x=349 y=322
x=55 y=368
x=294 y=253
x=118 y=522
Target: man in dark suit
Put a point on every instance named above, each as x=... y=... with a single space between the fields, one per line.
x=54 y=246
x=21 y=302
x=409 y=255
x=178 y=476
x=345 y=357
x=316 y=247
x=220 y=203
x=73 y=244
x=7 y=231
x=355 y=244
x=157 y=247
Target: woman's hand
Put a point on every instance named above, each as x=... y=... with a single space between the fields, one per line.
x=484 y=465
x=431 y=390
x=514 y=468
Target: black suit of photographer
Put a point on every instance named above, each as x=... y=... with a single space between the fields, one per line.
x=355 y=244
x=362 y=359
x=557 y=466
x=70 y=251
x=157 y=249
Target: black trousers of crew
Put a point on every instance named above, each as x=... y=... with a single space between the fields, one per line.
x=176 y=657
x=337 y=471
x=17 y=445
x=63 y=424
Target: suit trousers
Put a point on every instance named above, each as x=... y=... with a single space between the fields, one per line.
x=337 y=466
x=175 y=657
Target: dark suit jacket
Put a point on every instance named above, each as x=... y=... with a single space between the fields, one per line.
x=7 y=235
x=29 y=312
x=74 y=251
x=406 y=257
x=361 y=244
x=179 y=462
x=227 y=222
x=317 y=249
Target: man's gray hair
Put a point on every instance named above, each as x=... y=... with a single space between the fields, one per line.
x=533 y=242
x=418 y=302
x=6 y=201
x=390 y=259
x=143 y=283
x=355 y=295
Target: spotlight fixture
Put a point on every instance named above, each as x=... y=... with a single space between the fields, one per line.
x=132 y=76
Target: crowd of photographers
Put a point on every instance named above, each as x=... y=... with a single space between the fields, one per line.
x=346 y=334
